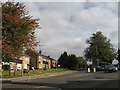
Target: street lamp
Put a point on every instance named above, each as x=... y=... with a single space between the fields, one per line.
x=23 y=54
x=22 y=67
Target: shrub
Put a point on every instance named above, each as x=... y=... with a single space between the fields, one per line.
x=25 y=71
x=6 y=67
x=104 y=63
x=44 y=68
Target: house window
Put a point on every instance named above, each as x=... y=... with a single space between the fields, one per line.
x=44 y=62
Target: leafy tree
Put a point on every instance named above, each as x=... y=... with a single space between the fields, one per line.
x=82 y=62
x=0 y=35
x=118 y=56
x=99 y=49
x=62 y=60
x=72 y=62
x=18 y=28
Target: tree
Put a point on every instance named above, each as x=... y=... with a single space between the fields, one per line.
x=72 y=62
x=62 y=60
x=99 y=49
x=18 y=28
x=82 y=62
x=0 y=35
x=118 y=56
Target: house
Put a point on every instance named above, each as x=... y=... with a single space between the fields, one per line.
x=18 y=64
x=115 y=62
x=0 y=66
x=40 y=61
x=34 y=58
x=53 y=63
x=25 y=61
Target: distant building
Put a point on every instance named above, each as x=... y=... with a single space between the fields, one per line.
x=53 y=63
x=89 y=63
x=115 y=62
x=18 y=64
x=0 y=66
x=40 y=61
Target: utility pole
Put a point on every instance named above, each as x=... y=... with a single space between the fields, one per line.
x=23 y=55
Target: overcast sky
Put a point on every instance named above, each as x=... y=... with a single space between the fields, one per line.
x=67 y=25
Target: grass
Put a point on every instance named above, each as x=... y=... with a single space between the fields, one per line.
x=5 y=74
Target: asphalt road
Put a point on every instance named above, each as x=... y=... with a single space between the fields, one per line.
x=69 y=81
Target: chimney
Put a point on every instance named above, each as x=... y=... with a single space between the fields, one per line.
x=40 y=51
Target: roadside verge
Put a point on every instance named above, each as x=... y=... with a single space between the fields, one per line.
x=26 y=78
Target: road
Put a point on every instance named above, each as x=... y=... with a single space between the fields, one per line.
x=71 y=80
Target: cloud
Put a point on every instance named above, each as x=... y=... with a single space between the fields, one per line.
x=67 y=25
x=61 y=0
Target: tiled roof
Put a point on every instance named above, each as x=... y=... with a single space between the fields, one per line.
x=33 y=53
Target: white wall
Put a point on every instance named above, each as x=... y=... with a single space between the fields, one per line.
x=25 y=66
x=19 y=66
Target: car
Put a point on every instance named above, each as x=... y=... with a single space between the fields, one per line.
x=100 y=68
x=111 y=68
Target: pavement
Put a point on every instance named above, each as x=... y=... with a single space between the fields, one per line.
x=26 y=78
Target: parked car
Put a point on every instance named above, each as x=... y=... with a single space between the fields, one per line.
x=100 y=68
x=82 y=69
x=110 y=68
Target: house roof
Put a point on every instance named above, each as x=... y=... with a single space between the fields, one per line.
x=33 y=53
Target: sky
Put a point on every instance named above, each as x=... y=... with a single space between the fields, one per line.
x=65 y=26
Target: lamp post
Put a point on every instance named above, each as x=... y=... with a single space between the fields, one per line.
x=22 y=66
x=23 y=54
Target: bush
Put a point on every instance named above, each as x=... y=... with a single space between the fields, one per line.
x=6 y=67
x=44 y=68
x=104 y=63
x=25 y=71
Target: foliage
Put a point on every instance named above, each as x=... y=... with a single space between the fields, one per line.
x=104 y=63
x=82 y=62
x=18 y=28
x=99 y=49
x=62 y=60
x=118 y=56
x=71 y=61
x=25 y=71
x=0 y=35
x=6 y=67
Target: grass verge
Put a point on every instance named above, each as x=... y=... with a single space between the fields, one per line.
x=5 y=74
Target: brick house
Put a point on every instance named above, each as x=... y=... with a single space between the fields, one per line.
x=18 y=64
x=53 y=63
x=40 y=61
